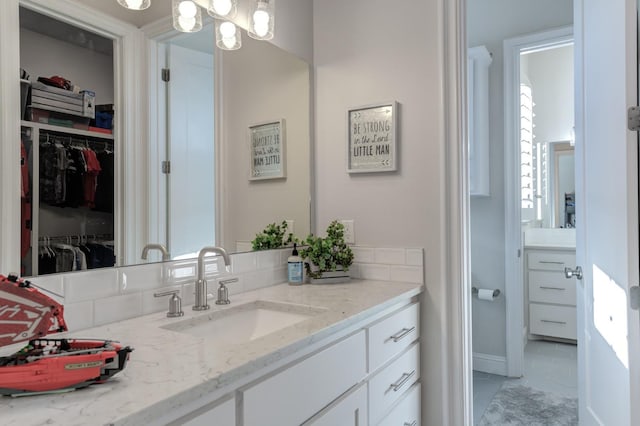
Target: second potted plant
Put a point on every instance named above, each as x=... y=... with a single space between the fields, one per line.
x=328 y=258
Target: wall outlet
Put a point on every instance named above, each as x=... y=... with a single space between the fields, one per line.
x=349 y=231
x=290 y=229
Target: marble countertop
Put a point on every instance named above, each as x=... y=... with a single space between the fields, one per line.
x=550 y=238
x=169 y=369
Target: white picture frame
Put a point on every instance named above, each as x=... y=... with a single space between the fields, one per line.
x=372 y=138
x=267 y=150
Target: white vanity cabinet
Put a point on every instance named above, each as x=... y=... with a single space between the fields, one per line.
x=552 y=297
x=349 y=410
x=295 y=394
x=369 y=376
x=394 y=361
x=217 y=413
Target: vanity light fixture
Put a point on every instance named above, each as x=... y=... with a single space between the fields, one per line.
x=261 y=20
x=187 y=16
x=135 y=4
x=228 y=35
x=222 y=9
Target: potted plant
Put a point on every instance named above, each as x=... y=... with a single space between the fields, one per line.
x=328 y=258
x=273 y=237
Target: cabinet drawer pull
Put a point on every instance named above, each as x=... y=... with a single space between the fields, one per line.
x=413 y=423
x=401 y=381
x=552 y=288
x=402 y=334
x=551 y=262
x=554 y=322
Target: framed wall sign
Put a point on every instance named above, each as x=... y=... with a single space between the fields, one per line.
x=372 y=138
x=267 y=145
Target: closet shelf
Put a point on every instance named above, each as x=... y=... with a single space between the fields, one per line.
x=68 y=130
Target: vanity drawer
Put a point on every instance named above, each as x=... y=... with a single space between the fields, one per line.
x=350 y=409
x=551 y=287
x=554 y=321
x=298 y=392
x=407 y=411
x=386 y=387
x=552 y=261
x=392 y=335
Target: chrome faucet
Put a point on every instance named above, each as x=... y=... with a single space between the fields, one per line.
x=162 y=248
x=201 y=283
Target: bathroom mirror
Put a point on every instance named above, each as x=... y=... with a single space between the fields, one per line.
x=258 y=83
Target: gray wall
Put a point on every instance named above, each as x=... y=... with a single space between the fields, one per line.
x=367 y=52
x=489 y=23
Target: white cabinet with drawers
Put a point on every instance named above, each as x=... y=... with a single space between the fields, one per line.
x=551 y=296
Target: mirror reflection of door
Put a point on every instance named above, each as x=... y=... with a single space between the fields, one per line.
x=563 y=184
x=190 y=115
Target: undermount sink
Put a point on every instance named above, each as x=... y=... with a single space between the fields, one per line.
x=246 y=322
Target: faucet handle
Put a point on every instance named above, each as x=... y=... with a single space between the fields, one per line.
x=175 y=303
x=223 y=291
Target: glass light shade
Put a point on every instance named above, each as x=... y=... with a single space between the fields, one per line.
x=261 y=20
x=187 y=16
x=228 y=35
x=135 y=4
x=223 y=9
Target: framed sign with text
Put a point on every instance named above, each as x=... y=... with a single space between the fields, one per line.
x=267 y=147
x=372 y=138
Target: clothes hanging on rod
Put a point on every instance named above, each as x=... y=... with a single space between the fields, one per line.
x=63 y=254
x=72 y=172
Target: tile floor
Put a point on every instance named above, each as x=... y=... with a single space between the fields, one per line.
x=548 y=366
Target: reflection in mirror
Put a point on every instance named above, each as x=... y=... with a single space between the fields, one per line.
x=546 y=122
x=258 y=83
x=67 y=87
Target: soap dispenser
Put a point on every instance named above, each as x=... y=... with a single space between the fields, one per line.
x=295 y=268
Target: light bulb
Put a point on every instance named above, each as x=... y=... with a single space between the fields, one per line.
x=222 y=7
x=187 y=23
x=261 y=17
x=261 y=29
x=134 y=4
x=228 y=30
x=229 y=42
x=188 y=9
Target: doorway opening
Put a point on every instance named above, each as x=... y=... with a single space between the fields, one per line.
x=540 y=217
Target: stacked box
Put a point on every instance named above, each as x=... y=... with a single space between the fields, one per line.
x=63 y=101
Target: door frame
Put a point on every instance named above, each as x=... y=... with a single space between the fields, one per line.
x=516 y=333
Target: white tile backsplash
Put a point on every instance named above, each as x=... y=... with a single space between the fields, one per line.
x=78 y=316
x=141 y=277
x=52 y=283
x=410 y=274
x=390 y=256
x=374 y=272
x=89 y=285
x=268 y=258
x=117 y=308
x=244 y=262
x=102 y=296
x=363 y=254
x=414 y=257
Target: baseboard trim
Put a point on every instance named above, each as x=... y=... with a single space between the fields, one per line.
x=491 y=364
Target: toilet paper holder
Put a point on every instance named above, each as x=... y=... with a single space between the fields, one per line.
x=474 y=291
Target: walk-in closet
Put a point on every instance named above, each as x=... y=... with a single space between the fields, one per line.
x=68 y=148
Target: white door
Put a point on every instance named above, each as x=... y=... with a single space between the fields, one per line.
x=191 y=221
x=607 y=197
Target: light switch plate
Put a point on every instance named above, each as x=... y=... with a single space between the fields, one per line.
x=349 y=231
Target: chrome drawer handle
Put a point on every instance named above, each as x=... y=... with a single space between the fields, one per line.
x=552 y=288
x=401 y=381
x=402 y=334
x=413 y=423
x=554 y=322
x=550 y=262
